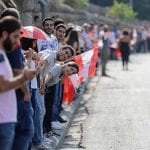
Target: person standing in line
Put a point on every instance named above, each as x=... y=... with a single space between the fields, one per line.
x=81 y=38
x=73 y=40
x=24 y=127
x=9 y=35
x=52 y=78
x=56 y=44
x=52 y=104
x=105 y=50
x=48 y=27
x=85 y=34
x=37 y=100
x=144 y=37
x=124 y=45
x=57 y=120
x=60 y=31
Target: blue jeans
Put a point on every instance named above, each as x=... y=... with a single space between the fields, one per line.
x=24 y=128
x=57 y=102
x=39 y=111
x=7 y=132
x=49 y=102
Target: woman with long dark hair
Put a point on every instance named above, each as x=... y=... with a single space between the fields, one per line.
x=73 y=40
x=124 y=45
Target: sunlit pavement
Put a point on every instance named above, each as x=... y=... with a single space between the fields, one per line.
x=115 y=112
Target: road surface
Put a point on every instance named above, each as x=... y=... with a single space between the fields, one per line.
x=116 y=114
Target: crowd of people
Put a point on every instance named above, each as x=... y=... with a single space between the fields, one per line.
x=31 y=83
x=31 y=80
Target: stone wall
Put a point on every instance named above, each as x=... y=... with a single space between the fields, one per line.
x=29 y=8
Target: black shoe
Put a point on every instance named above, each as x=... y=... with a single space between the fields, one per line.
x=105 y=75
x=61 y=120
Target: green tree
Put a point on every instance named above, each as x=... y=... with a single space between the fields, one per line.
x=77 y=4
x=121 y=11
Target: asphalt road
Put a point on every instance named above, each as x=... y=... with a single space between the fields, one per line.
x=116 y=114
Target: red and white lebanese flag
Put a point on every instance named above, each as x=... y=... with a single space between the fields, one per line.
x=94 y=60
x=87 y=68
x=87 y=63
x=70 y=85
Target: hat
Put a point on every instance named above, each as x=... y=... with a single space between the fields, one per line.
x=105 y=27
x=78 y=28
x=70 y=25
x=86 y=25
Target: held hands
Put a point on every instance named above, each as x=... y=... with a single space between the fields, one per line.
x=42 y=89
x=35 y=57
x=29 y=54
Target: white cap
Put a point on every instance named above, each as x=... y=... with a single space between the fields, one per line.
x=78 y=28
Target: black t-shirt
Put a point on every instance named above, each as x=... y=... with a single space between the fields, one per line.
x=16 y=61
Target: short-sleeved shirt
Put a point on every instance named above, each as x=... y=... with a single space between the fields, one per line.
x=8 y=107
x=51 y=43
x=50 y=57
x=15 y=58
x=56 y=73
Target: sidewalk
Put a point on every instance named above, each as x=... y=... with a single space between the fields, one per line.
x=70 y=111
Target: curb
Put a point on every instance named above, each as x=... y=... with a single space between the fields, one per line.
x=74 y=109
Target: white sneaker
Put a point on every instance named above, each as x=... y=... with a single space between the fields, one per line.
x=47 y=140
x=61 y=124
x=42 y=147
x=57 y=126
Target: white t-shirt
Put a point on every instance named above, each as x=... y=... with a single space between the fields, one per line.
x=50 y=57
x=56 y=72
x=8 y=106
x=34 y=80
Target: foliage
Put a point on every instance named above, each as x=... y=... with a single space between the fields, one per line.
x=142 y=7
x=77 y=4
x=122 y=12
